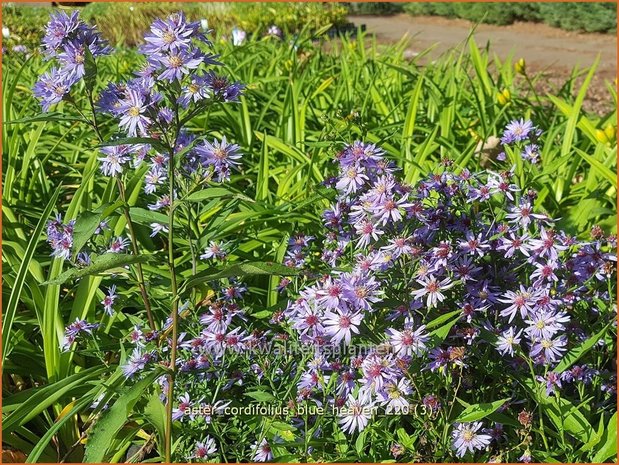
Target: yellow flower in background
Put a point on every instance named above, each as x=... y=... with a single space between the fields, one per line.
x=601 y=136
x=610 y=132
x=520 y=66
x=504 y=97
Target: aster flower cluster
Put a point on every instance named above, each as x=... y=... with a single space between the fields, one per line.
x=169 y=90
x=75 y=330
x=466 y=246
x=60 y=237
x=524 y=135
x=67 y=39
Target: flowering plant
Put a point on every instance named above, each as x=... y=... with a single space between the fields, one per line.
x=444 y=319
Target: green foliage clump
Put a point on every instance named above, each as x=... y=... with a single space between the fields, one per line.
x=589 y=17
x=125 y=22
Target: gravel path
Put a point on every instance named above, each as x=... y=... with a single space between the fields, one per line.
x=553 y=51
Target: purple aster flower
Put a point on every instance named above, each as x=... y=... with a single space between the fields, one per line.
x=523 y=214
x=204 y=448
x=195 y=91
x=507 y=340
x=215 y=250
x=136 y=363
x=156 y=176
x=432 y=288
x=262 y=451
x=394 y=395
x=466 y=438
x=522 y=301
x=531 y=153
x=408 y=341
x=221 y=155
x=222 y=89
x=74 y=330
x=118 y=245
x=550 y=349
x=157 y=228
x=238 y=36
x=52 y=87
x=131 y=113
x=351 y=180
x=474 y=245
x=109 y=299
x=60 y=237
x=183 y=406
x=60 y=27
x=545 y=324
x=513 y=243
x=340 y=324
x=553 y=382
x=368 y=231
x=72 y=60
x=517 y=131
x=115 y=157
x=547 y=245
x=172 y=34
x=356 y=413
x=178 y=64
x=274 y=31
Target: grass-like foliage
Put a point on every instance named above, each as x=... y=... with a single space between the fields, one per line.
x=269 y=245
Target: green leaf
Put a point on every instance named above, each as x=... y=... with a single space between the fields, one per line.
x=36 y=452
x=146 y=217
x=566 y=416
x=156 y=416
x=441 y=319
x=360 y=443
x=261 y=396
x=240 y=270
x=155 y=143
x=214 y=193
x=52 y=116
x=478 y=411
x=85 y=226
x=599 y=167
x=439 y=334
x=90 y=70
x=573 y=355
x=99 y=264
x=43 y=398
x=112 y=420
x=18 y=285
x=608 y=450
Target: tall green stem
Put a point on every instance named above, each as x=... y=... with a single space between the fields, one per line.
x=127 y=214
x=172 y=368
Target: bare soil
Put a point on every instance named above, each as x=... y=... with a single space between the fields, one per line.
x=547 y=50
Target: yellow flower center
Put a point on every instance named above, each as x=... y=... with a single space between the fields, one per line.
x=168 y=37
x=134 y=111
x=175 y=61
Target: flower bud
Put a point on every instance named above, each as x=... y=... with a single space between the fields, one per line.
x=610 y=132
x=601 y=136
x=519 y=66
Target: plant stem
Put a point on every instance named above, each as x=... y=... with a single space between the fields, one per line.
x=168 y=432
x=134 y=244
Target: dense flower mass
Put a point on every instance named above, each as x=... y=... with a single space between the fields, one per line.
x=466 y=248
x=393 y=316
x=68 y=40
